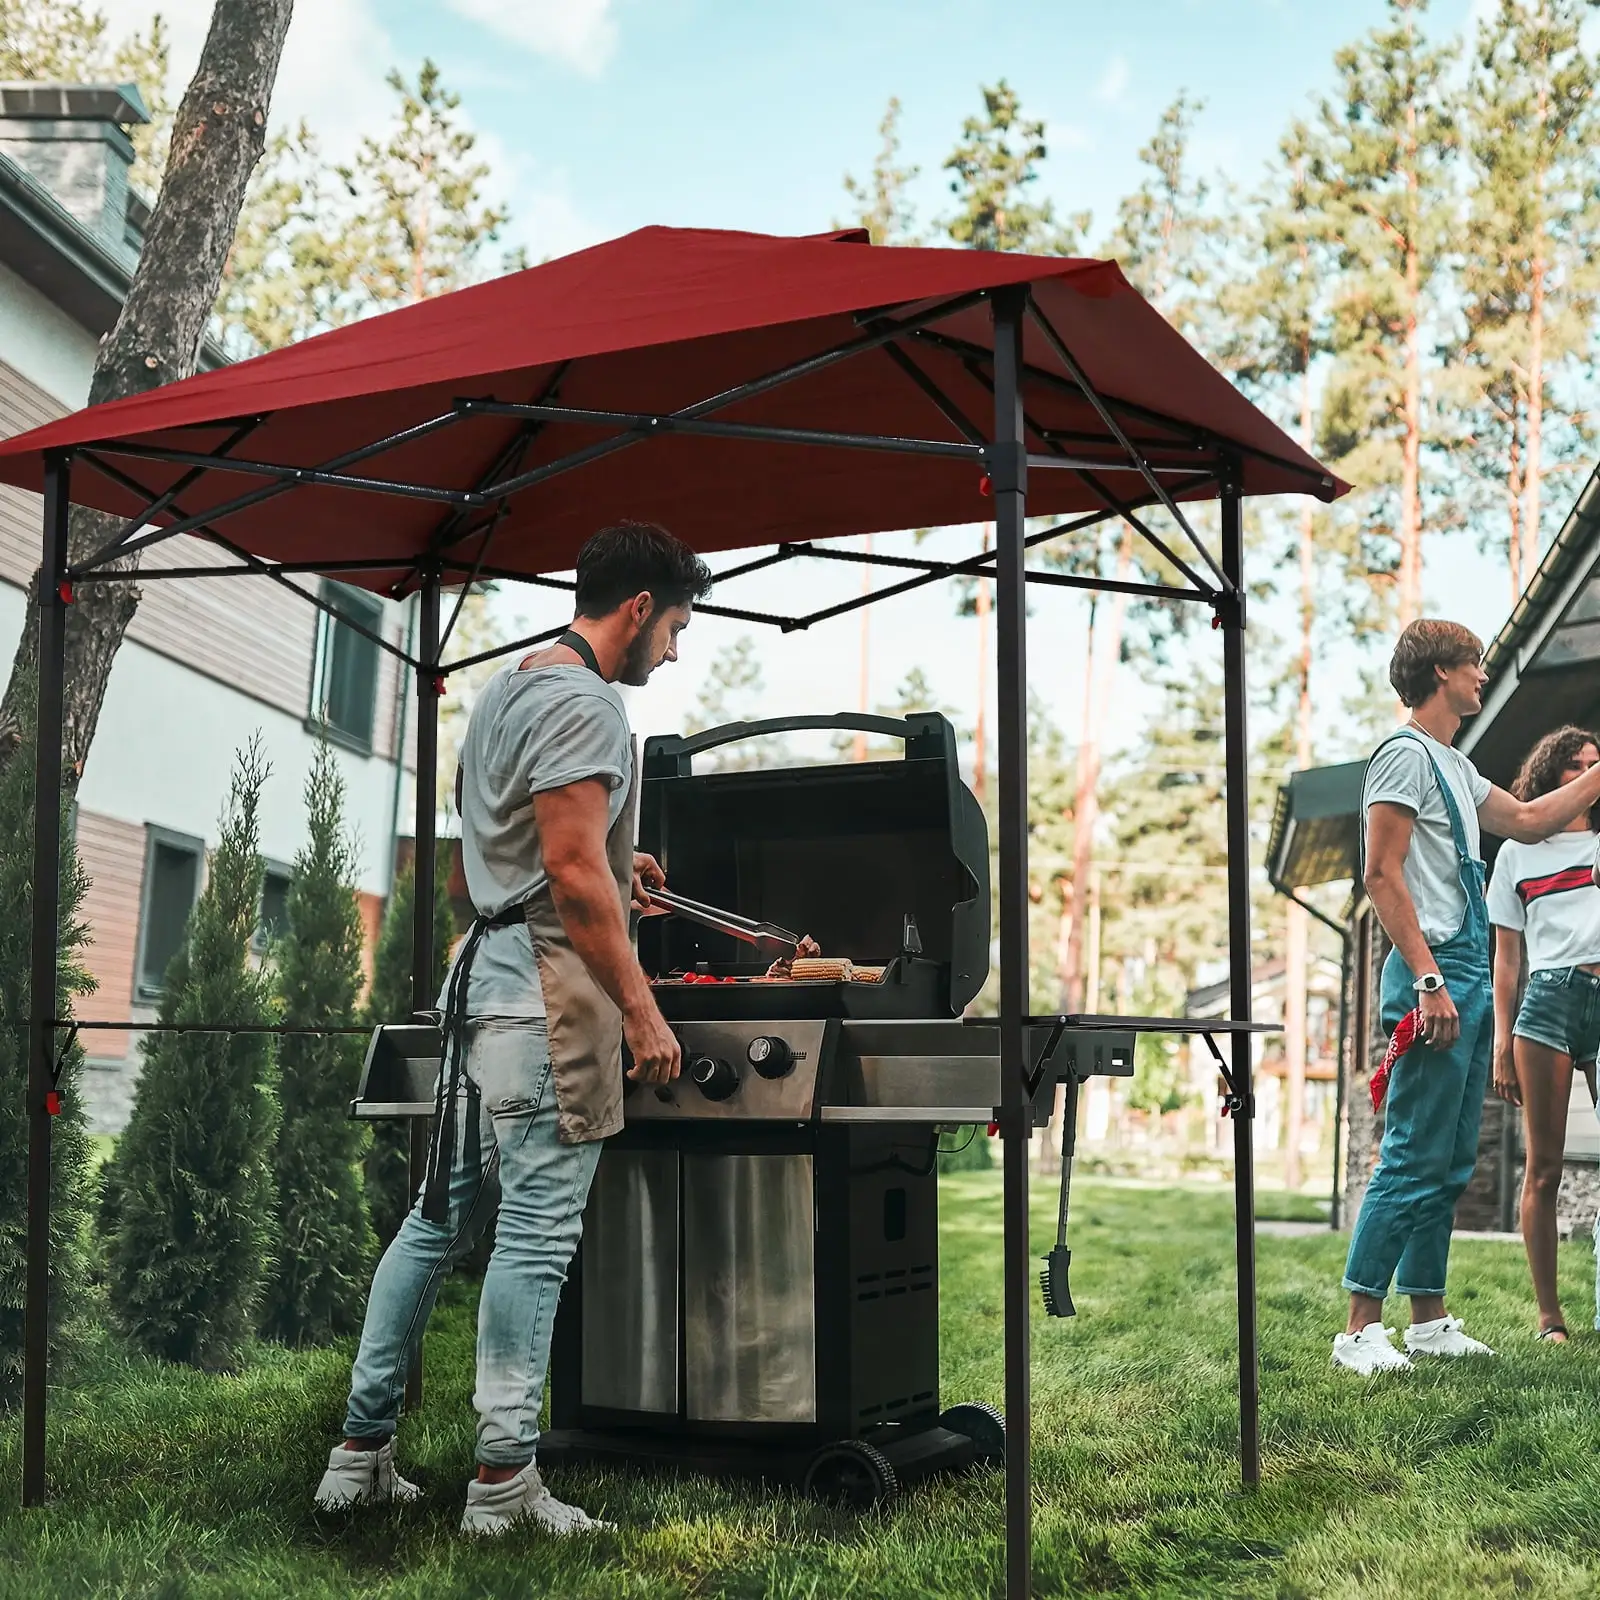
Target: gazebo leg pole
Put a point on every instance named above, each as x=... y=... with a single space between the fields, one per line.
x=1007 y=468
x=1231 y=613
x=42 y=980
x=423 y=993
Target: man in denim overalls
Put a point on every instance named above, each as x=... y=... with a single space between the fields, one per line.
x=1422 y=804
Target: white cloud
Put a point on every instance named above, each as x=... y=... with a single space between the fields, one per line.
x=1113 y=84
x=580 y=33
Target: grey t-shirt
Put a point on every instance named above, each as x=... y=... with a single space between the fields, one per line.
x=530 y=731
x=1401 y=774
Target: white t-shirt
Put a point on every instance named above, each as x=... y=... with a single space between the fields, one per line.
x=1546 y=892
x=530 y=731
x=1401 y=774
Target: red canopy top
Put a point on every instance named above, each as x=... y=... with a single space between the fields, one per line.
x=653 y=322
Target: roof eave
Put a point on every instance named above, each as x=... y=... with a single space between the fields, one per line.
x=51 y=251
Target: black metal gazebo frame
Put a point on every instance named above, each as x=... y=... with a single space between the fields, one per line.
x=1193 y=463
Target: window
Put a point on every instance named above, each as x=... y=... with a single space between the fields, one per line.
x=273 y=922
x=172 y=867
x=344 y=676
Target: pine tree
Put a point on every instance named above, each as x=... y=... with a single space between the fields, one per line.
x=193 y=1188
x=1380 y=171
x=1531 y=282
x=1276 y=309
x=1165 y=240
x=282 y=281
x=732 y=692
x=996 y=164
x=882 y=204
x=321 y=244
x=419 y=223
x=387 y=1165
x=69 y=1158
x=325 y=1243
x=1166 y=235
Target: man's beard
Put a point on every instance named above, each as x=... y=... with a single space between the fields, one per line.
x=637 y=664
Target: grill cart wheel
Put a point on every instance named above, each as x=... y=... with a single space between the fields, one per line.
x=983 y=1425
x=851 y=1473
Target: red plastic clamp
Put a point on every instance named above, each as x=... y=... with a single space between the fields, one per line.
x=52 y=1102
x=986 y=486
x=64 y=589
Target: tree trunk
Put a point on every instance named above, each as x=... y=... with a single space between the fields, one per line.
x=217 y=139
x=1410 y=469
x=1514 y=505
x=1298 y=928
x=1530 y=473
x=1539 y=267
x=980 y=732
x=1101 y=681
x=1084 y=810
x=1411 y=456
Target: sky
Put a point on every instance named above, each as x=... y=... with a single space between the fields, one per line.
x=600 y=116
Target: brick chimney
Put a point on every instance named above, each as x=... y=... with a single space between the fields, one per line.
x=72 y=139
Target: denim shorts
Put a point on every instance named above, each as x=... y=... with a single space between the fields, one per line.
x=1561 y=1010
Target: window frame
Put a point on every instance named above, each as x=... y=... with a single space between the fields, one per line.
x=155 y=836
x=344 y=596
x=260 y=942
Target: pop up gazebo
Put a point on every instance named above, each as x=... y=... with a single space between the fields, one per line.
x=768 y=392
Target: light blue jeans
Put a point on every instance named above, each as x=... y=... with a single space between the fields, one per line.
x=541 y=1187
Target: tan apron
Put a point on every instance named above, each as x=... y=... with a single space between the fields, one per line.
x=585 y=1025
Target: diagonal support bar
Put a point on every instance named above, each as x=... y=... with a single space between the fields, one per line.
x=112 y=547
x=1081 y=378
x=266 y=569
x=255 y=497
x=747 y=391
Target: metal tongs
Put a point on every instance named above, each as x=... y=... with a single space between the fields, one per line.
x=729 y=922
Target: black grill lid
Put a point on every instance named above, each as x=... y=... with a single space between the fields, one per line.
x=845 y=852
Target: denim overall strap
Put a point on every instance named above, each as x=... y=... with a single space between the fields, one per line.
x=1474 y=927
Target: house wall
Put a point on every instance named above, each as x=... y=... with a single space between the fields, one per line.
x=40 y=340
x=206 y=666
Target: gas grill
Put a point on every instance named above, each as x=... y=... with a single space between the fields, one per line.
x=757 y=1288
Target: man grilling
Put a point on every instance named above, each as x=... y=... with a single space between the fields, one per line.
x=541 y=995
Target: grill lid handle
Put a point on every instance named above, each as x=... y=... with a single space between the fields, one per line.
x=923 y=733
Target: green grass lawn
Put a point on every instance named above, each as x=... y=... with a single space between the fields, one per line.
x=1455 y=1480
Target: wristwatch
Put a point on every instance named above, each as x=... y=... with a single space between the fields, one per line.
x=1429 y=983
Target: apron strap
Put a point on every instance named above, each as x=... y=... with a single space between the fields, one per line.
x=583 y=650
x=452 y=1073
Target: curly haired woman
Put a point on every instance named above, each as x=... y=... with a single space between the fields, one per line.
x=1543 y=896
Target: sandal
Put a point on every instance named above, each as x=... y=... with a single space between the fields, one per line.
x=1551 y=1332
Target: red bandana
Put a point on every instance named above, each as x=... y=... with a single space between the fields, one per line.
x=1405 y=1035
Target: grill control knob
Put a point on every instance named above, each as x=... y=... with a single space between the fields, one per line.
x=770 y=1056
x=715 y=1078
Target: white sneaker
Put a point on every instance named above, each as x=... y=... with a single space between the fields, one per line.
x=1368 y=1351
x=494 y=1507
x=363 y=1478
x=1442 y=1338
